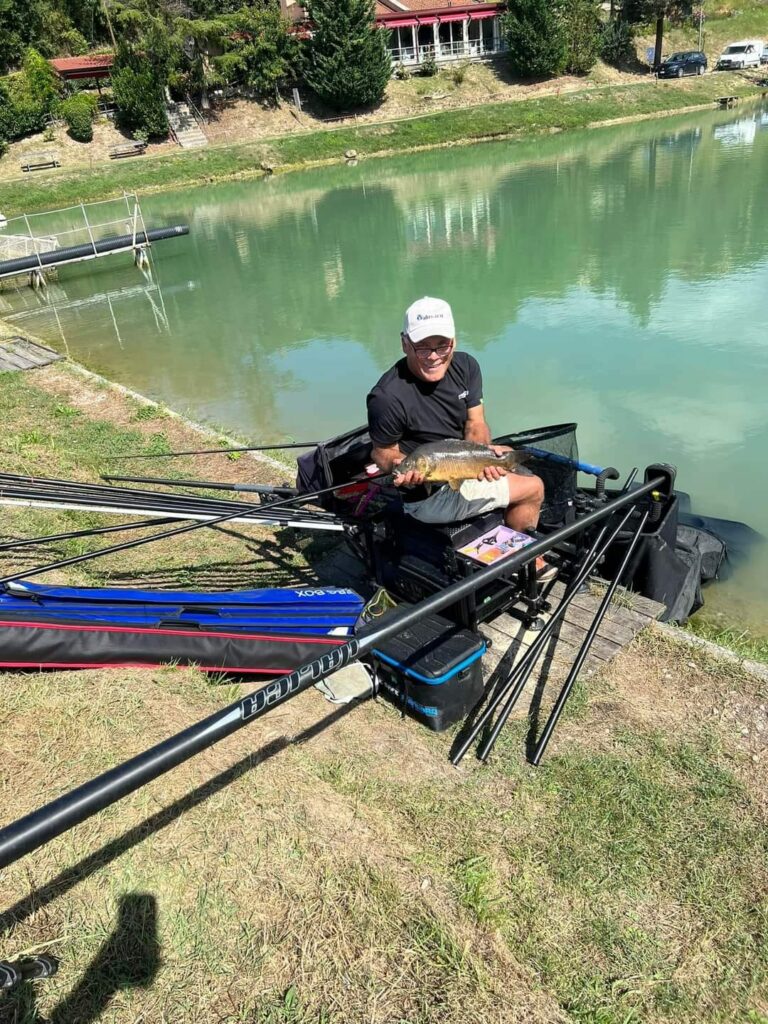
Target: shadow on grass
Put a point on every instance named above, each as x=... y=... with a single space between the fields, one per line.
x=69 y=878
x=128 y=958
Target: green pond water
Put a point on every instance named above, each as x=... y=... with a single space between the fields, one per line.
x=616 y=277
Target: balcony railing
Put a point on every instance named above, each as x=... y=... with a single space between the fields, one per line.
x=472 y=49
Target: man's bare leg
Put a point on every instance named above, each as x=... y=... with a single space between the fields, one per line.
x=526 y=494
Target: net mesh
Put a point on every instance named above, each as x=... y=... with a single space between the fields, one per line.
x=554 y=452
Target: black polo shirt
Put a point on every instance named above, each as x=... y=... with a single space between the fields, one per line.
x=406 y=411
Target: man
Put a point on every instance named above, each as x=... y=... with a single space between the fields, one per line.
x=436 y=393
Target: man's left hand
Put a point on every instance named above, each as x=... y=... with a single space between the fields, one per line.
x=495 y=472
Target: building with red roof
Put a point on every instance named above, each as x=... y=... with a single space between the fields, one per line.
x=448 y=31
x=93 y=65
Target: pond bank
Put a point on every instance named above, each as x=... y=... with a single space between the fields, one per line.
x=508 y=120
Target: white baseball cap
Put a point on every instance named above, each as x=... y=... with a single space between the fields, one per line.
x=426 y=317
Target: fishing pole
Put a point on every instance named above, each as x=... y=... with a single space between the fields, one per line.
x=222 y=451
x=557 y=710
x=10 y=545
x=76 y=559
x=209 y=484
x=50 y=485
x=40 y=826
x=145 y=500
x=515 y=682
x=309 y=523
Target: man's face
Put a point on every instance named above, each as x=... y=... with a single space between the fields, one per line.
x=429 y=358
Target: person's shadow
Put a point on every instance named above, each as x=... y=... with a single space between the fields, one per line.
x=129 y=957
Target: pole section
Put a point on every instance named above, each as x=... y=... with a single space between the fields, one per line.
x=557 y=710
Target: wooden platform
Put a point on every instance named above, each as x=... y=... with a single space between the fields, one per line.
x=17 y=353
x=628 y=614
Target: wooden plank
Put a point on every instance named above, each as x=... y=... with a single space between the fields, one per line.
x=9 y=360
x=612 y=627
x=19 y=353
x=35 y=354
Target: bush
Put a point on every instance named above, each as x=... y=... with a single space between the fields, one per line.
x=584 y=35
x=79 y=111
x=618 y=44
x=536 y=37
x=19 y=114
x=459 y=73
x=428 y=67
x=348 y=63
x=402 y=73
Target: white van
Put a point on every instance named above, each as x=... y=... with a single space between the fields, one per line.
x=744 y=54
x=764 y=57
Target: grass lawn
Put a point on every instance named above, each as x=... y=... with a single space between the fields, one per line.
x=324 y=866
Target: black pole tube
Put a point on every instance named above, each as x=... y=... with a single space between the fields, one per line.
x=72 y=253
x=49 y=821
x=209 y=484
x=524 y=667
x=222 y=451
x=158 y=536
x=557 y=710
x=12 y=545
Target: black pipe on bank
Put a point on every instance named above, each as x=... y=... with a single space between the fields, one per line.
x=72 y=253
x=60 y=815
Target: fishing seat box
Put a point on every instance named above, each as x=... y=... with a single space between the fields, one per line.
x=432 y=671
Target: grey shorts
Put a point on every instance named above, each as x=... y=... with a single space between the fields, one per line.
x=473 y=498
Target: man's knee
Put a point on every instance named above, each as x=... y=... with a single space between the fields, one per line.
x=528 y=488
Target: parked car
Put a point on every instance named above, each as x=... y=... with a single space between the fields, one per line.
x=687 y=62
x=747 y=53
x=764 y=55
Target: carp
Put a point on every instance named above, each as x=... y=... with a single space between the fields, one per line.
x=451 y=462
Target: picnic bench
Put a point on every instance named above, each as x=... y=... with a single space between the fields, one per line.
x=135 y=148
x=33 y=161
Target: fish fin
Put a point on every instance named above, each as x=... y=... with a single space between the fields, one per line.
x=455 y=485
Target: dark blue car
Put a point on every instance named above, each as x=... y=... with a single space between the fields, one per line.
x=687 y=62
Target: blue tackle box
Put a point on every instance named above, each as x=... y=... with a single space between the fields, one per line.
x=432 y=671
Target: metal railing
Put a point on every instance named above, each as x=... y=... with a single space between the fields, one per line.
x=460 y=50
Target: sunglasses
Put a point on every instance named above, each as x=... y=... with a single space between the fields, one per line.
x=425 y=351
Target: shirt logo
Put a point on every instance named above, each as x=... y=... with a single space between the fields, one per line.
x=464 y=394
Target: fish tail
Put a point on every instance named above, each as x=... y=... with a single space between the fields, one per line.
x=514 y=459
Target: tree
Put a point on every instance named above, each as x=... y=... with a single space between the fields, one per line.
x=139 y=77
x=348 y=62
x=20 y=24
x=536 y=37
x=656 y=11
x=584 y=34
x=264 y=55
x=42 y=84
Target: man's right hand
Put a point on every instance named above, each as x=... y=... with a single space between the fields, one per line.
x=410 y=479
